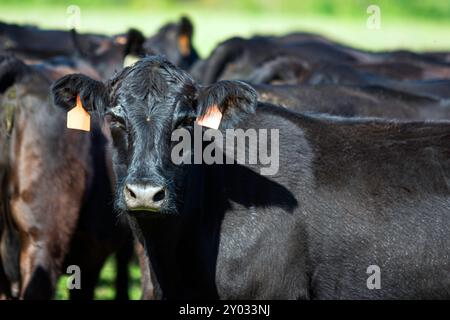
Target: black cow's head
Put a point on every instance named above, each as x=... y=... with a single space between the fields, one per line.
x=174 y=41
x=145 y=103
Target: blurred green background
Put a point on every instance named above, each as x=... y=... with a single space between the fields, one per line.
x=411 y=24
x=105 y=287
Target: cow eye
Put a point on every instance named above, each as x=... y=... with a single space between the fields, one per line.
x=115 y=121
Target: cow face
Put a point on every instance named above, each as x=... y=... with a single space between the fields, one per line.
x=144 y=104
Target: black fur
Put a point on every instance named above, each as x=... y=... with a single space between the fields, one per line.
x=350 y=193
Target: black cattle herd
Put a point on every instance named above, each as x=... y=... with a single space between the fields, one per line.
x=363 y=179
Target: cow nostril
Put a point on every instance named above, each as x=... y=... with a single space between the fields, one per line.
x=130 y=192
x=160 y=195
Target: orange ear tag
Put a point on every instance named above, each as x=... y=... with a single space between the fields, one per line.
x=78 y=118
x=121 y=40
x=212 y=118
x=183 y=44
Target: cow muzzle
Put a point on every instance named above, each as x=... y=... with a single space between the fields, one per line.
x=144 y=197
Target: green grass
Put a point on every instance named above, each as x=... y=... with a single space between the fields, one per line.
x=105 y=286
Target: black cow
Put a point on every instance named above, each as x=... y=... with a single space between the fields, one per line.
x=56 y=192
x=174 y=41
x=239 y=58
x=402 y=101
x=31 y=42
x=290 y=70
x=349 y=194
x=105 y=53
x=440 y=55
x=110 y=53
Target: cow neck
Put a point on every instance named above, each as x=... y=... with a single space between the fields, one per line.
x=183 y=249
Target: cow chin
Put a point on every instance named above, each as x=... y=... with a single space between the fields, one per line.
x=162 y=211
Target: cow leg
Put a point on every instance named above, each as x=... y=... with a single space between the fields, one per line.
x=146 y=273
x=38 y=272
x=38 y=278
x=42 y=249
x=9 y=256
x=4 y=284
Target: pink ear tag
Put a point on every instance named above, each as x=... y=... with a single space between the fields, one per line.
x=78 y=118
x=212 y=118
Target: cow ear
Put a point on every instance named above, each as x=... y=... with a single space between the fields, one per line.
x=92 y=93
x=134 y=43
x=225 y=103
x=185 y=31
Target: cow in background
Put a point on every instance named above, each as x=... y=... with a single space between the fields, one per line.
x=174 y=41
x=106 y=54
x=56 y=191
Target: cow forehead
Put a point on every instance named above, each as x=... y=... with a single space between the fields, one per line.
x=144 y=101
x=150 y=83
x=150 y=110
x=141 y=86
